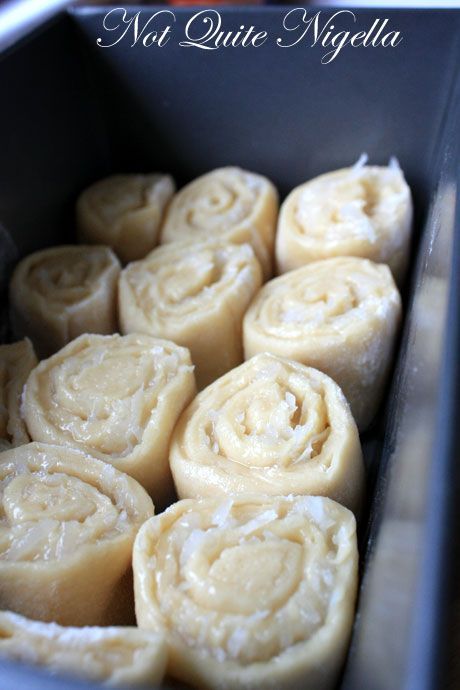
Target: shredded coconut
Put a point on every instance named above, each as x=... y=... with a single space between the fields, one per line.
x=361 y=162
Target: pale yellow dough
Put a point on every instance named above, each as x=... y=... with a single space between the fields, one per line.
x=195 y=294
x=338 y=315
x=67 y=528
x=114 y=656
x=271 y=426
x=117 y=398
x=58 y=293
x=251 y=592
x=125 y=212
x=16 y=362
x=361 y=211
x=227 y=204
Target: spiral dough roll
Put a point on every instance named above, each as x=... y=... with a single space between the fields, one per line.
x=250 y=592
x=338 y=315
x=67 y=526
x=195 y=295
x=113 y=656
x=59 y=293
x=229 y=204
x=16 y=362
x=361 y=211
x=271 y=426
x=125 y=212
x=115 y=397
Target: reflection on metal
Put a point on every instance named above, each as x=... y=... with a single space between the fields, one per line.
x=400 y=578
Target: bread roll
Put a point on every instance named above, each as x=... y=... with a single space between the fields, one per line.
x=59 y=293
x=117 y=398
x=68 y=523
x=271 y=426
x=227 y=204
x=113 y=656
x=195 y=295
x=340 y=316
x=250 y=592
x=124 y=212
x=16 y=362
x=361 y=211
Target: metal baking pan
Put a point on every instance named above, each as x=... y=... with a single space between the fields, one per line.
x=72 y=111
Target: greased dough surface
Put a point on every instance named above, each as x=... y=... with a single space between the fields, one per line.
x=16 y=362
x=340 y=316
x=59 y=293
x=271 y=426
x=115 y=397
x=227 y=204
x=361 y=211
x=125 y=212
x=67 y=526
x=195 y=294
x=113 y=656
x=250 y=592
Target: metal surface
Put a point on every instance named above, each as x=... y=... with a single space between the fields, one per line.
x=284 y=114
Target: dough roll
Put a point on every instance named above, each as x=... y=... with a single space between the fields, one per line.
x=113 y=656
x=59 y=293
x=125 y=212
x=227 y=204
x=67 y=528
x=361 y=211
x=16 y=362
x=251 y=592
x=115 y=397
x=271 y=426
x=195 y=295
x=340 y=316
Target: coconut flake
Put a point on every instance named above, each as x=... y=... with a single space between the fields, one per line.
x=259 y=521
x=393 y=163
x=191 y=544
x=221 y=515
x=361 y=162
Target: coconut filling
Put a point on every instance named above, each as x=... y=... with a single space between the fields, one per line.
x=271 y=422
x=192 y=280
x=358 y=204
x=247 y=584
x=321 y=307
x=104 y=397
x=47 y=514
x=104 y=649
x=68 y=279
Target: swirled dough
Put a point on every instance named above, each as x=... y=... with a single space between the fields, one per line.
x=250 y=592
x=195 y=294
x=16 y=362
x=125 y=212
x=113 y=656
x=271 y=426
x=67 y=526
x=59 y=293
x=115 y=397
x=338 y=315
x=228 y=204
x=361 y=211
